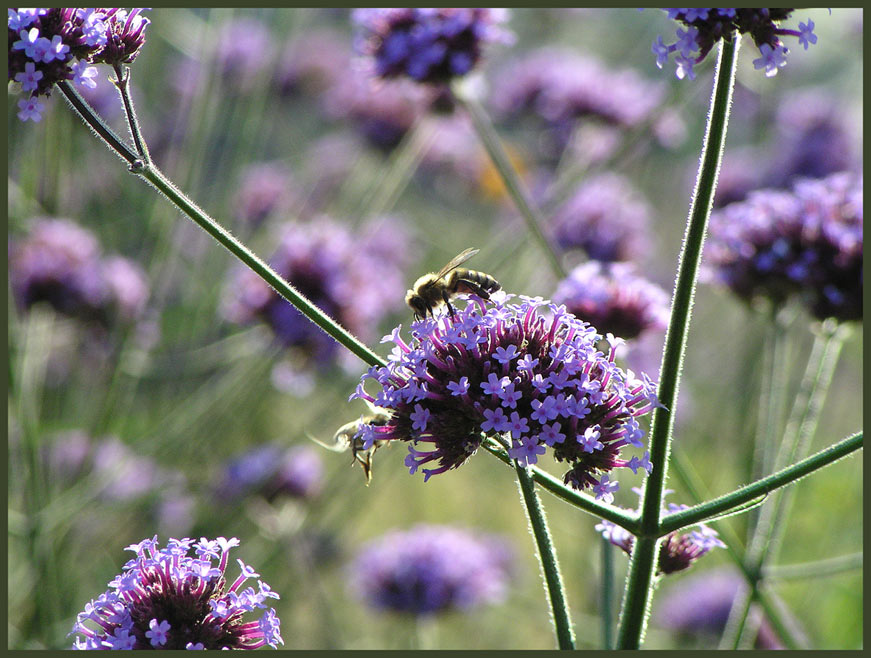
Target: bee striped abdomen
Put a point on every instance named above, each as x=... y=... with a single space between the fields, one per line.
x=474 y=282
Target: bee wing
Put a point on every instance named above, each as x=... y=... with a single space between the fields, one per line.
x=456 y=261
x=339 y=444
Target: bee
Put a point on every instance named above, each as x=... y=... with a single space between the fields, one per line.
x=437 y=288
x=345 y=438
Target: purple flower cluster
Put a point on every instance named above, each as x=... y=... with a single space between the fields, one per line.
x=428 y=45
x=313 y=62
x=355 y=277
x=60 y=262
x=166 y=599
x=529 y=370
x=702 y=28
x=382 y=110
x=606 y=217
x=700 y=604
x=265 y=189
x=430 y=569
x=272 y=471
x=614 y=298
x=677 y=551
x=560 y=86
x=806 y=242
x=48 y=45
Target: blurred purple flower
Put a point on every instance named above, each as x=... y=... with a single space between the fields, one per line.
x=313 y=62
x=430 y=569
x=243 y=49
x=614 y=298
x=265 y=189
x=59 y=262
x=271 y=470
x=701 y=29
x=167 y=599
x=806 y=242
x=383 y=111
x=528 y=369
x=678 y=550
x=354 y=277
x=813 y=139
x=700 y=604
x=560 y=86
x=428 y=45
x=124 y=475
x=606 y=217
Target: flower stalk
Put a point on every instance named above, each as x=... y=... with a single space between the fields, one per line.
x=638 y=590
x=490 y=140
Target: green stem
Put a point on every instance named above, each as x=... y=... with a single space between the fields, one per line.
x=607 y=593
x=816 y=569
x=615 y=515
x=636 y=600
x=513 y=184
x=547 y=557
x=800 y=428
x=123 y=84
x=155 y=177
x=87 y=114
x=718 y=506
x=240 y=251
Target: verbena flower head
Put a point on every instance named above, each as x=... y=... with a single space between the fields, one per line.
x=382 y=111
x=702 y=28
x=614 y=298
x=806 y=243
x=313 y=62
x=48 y=45
x=430 y=569
x=814 y=139
x=356 y=278
x=530 y=370
x=559 y=87
x=59 y=262
x=265 y=189
x=271 y=471
x=678 y=550
x=167 y=599
x=699 y=605
x=606 y=217
x=428 y=45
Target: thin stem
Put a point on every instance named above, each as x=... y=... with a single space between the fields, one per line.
x=123 y=84
x=607 y=593
x=638 y=590
x=800 y=428
x=559 y=606
x=615 y=515
x=99 y=126
x=717 y=506
x=150 y=173
x=816 y=569
x=513 y=184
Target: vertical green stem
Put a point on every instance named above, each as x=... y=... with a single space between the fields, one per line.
x=637 y=595
x=547 y=555
x=607 y=612
x=509 y=177
x=795 y=444
x=123 y=84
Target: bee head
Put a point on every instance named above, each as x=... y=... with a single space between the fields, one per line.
x=417 y=304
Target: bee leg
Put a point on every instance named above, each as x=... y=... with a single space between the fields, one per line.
x=447 y=298
x=475 y=288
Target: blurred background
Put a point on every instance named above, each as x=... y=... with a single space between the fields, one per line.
x=158 y=388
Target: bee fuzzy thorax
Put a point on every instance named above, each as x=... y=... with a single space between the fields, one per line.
x=436 y=288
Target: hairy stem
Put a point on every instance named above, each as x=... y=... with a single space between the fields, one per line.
x=639 y=585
